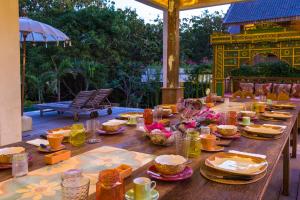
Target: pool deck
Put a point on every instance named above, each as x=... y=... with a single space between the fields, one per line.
x=52 y=120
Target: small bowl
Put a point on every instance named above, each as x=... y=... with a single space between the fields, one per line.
x=248 y=113
x=166 y=112
x=227 y=130
x=170 y=164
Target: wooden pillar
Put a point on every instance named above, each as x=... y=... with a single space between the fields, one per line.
x=10 y=98
x=218 y=70
x=171 y=90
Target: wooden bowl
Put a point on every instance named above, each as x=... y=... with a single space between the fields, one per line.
x=227 y=130
x=170 y=164
x=111 y=127
x=166 y=112
x=248 y=114
x=6 y=154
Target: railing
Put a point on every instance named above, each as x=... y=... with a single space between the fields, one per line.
x=234 y=81
x=222 y=38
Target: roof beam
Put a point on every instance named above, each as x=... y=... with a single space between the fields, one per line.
x=162 y=5
x=188 y=4
x=193 y=4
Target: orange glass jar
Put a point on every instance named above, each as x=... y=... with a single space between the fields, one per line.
x=148 y=116
x=232 y=118
x=110 y=185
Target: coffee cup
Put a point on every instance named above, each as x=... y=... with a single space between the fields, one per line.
x=142 y=188
x=55 y=140
x=246 y=121
x=208 y=141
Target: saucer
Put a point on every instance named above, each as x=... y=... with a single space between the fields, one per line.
x=49 y=149
x=185 y=174
x=236 y=136
x=131 y=124
x=241 y=124
x=130 y=194
x=217 y=149
x=102 y=132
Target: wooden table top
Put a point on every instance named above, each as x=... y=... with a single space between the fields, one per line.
x=197 y=187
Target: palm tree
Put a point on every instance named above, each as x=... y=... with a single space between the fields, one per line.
x=38 y=82
x=60 y=70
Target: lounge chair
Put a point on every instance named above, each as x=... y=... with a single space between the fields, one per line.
x=85 y=101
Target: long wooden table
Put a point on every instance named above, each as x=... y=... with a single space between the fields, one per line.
x=197 y=187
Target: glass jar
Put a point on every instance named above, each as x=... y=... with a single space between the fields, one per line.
x=110 y=185
x=232 y=118
x=20 y=164
x=195 y=143
x=148 y=116
x=77 y=135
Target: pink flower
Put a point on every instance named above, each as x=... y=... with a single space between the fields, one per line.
x=155 y=125
x=190 y=125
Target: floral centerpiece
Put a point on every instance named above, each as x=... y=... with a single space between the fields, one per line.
x=159 y=134
x=207 y=117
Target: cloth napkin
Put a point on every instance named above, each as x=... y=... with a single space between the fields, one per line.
x=248 y=154
x=37 y=142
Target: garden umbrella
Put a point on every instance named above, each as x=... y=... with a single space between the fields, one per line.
x=34 y=31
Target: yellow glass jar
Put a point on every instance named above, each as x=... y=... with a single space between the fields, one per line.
x=195 y=143
x=77 y=135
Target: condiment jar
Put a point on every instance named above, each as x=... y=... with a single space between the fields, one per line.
x=195 y=144
x=110 y=185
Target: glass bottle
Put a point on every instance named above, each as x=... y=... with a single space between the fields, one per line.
x=110 y=185
x=77 y=135
x=195 y=143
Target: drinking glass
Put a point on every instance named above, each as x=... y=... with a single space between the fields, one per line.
x=223 y=118
x=75 y=188
x=157 y=114
x=182 y=143
x=248 y=106
x=226 y=101
x=91 y=127
x=20 y=164
x=262 y=98
x=204 y=130
x=72 y=173
x=140 y=123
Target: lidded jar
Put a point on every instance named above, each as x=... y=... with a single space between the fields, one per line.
x=110 y=185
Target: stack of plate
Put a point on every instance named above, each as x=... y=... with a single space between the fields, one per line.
x=277 y=115
x=284 y=106
x=263 y=131
x=234 y=168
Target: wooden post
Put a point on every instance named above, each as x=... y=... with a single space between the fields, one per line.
x=171 y=90
x=23 y=73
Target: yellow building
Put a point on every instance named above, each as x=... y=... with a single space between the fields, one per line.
x=258 y=31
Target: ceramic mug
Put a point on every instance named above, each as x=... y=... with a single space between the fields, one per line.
x=209 y=141
x=142 y=188
x=246 y=121
x=55 y=140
